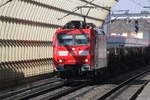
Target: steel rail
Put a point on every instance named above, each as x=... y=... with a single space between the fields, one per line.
x=121 y=85
x=39 y=91
x=139 y=91
x=64 y=92
x=28 y=87
x=76 y=85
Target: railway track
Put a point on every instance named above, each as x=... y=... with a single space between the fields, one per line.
x=53 y=95
x=123 y=87
x=31 y=89
x=52 y=88
x=126 y=87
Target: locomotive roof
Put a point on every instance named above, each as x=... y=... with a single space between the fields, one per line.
x=74 y=30
x=88 y=31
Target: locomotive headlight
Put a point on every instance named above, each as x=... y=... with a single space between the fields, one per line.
x=60 y=61
x=83 y=53
x=63 y=53
x=86 y=60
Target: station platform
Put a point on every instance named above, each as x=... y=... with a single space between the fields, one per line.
x=145 y=94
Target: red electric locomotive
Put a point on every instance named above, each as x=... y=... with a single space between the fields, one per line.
x=79 y=47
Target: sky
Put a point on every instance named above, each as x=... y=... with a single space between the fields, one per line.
x=134 y=6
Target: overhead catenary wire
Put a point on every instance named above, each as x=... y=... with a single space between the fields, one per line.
x=1 y=5
x=77 y=8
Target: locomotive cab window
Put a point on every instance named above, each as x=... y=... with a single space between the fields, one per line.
x=73 y=39
x=81 y=39
x=65 y=39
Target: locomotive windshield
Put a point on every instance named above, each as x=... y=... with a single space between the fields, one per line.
x=81 y=39
x=65 y=39
x=73 y=39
